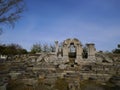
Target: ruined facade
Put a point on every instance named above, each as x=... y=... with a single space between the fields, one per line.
x=73 y=47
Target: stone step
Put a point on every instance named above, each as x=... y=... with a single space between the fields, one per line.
x=72 y=60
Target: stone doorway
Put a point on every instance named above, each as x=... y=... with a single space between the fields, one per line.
x=72 y=53
x=72 y=50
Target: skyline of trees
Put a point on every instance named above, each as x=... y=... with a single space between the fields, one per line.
x=12 y=49
x=38 y=47
x=16 y=49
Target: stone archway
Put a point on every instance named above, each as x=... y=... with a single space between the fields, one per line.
x=72 y=51
x=76 y=44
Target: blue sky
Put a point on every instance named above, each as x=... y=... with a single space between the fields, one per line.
x=45 y=21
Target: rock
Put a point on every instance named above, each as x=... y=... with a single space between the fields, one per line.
x=62 y=66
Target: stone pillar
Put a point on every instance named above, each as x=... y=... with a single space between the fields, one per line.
x=56 y=47
x=65 y=53
x=59 y=53
x=91 y=51
x=79 y=52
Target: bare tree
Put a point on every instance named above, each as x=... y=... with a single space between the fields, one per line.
x=36 y=48
x=52 y=48
x=10 y=11
x=46 y=47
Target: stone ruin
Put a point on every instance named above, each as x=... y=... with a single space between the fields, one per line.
x=72 y=48
x=69 y=53
x=68 y=61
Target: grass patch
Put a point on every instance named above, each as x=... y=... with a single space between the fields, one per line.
x=61 y=84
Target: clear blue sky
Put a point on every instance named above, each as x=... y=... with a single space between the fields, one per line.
x=96 y=21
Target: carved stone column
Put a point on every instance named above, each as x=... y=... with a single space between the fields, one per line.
x=56 y=47
x=91 y=51
x=65 y=53
x=79 y=52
